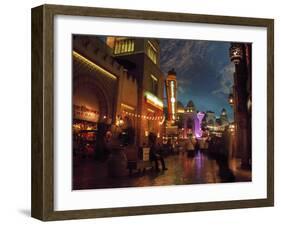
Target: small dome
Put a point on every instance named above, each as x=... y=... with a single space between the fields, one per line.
x=172 y=72
x=180 y=105
x=223 y=111
x=190 y=104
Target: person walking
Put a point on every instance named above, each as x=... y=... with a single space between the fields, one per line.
x=225 y=145
x=155 y=153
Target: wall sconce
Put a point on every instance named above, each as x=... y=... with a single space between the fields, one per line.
x=232 y=128
x=231 y=99
x=119 y=121
x=146 y=133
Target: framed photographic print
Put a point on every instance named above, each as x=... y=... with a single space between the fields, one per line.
x=141 y=112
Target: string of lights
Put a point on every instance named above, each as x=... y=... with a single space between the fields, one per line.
x=153 y=118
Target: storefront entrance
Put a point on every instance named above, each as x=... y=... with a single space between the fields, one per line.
x=89 y=109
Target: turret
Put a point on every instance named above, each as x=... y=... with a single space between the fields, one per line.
x=171 y=90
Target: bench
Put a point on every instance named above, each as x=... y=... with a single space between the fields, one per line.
x=140 y=166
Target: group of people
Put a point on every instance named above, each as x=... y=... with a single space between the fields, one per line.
x=155 y=152
x=220 y=150
x=214 y=145
x=217 y=147
x=126 y=142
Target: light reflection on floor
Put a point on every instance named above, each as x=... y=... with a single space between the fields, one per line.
x=200 y=169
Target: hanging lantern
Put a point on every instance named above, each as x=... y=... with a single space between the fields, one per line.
x=236 y=53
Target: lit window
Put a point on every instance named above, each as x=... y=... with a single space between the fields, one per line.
x=124 y=46
x=129 y=46
x=152 y=52
x=154 y=85
x=132 y=45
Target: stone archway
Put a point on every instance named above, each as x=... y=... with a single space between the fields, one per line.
x=88 y=90
x=100 y=91
x=89 y=94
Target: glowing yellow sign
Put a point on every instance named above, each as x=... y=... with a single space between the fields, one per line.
x=153 y=100
x=127 y=106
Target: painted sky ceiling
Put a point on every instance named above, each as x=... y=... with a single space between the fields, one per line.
x=204 y=72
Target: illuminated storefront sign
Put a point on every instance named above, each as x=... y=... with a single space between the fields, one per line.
x=85 y=113
x=153 y=100
x=127 y=106
x=180 y=111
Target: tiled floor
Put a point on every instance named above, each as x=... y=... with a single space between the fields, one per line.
x=90 y=174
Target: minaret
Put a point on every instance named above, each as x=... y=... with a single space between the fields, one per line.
x=223 y=117
x=171 y=91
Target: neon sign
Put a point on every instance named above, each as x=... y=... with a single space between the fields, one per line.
x=173 y=100
x=153 y=100
x=85 y=113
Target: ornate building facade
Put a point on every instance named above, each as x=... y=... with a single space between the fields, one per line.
x=117 y=84
x=98 y=92
x=141 y=58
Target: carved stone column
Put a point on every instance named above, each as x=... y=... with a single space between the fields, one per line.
x=240 y=91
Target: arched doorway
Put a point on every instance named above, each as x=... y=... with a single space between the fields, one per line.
x=86 y=93
x=92 y=115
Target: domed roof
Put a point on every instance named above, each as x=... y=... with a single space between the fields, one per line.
x=190 y=104
x=223 y=112
x=172 y=72
x=180 y=105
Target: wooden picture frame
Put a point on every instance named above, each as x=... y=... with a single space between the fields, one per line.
x=43 y=107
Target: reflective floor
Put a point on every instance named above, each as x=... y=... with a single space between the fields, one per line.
x=199 y=169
